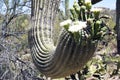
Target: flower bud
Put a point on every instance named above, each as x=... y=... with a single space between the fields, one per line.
x=88 y=5
x=76 y=7
x=89 y=21
x=81 y=1
x=72 y=10
x=98 y=22
x=83 y=8
x=96 y=12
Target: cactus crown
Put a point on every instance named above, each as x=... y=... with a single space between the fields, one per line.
x=85 y=22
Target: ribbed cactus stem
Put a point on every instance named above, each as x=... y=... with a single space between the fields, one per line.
x=55 y=61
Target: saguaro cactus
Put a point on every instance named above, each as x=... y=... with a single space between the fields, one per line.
x=67 y=13
x=118 y=24
x=74 y=48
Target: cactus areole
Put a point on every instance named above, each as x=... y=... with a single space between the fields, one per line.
x=77 y=41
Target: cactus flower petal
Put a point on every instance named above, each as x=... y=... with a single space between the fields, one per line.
x=77 y=27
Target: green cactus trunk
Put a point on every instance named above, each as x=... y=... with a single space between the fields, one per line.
x=55 y=61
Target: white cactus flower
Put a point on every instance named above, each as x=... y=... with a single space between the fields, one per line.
x=77 y=27
x=96 y=12
x=96 y=9
x=87 y=1
x=88 y=4
x=66 y=22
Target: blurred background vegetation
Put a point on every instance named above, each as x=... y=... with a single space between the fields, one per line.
x=15 y=59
